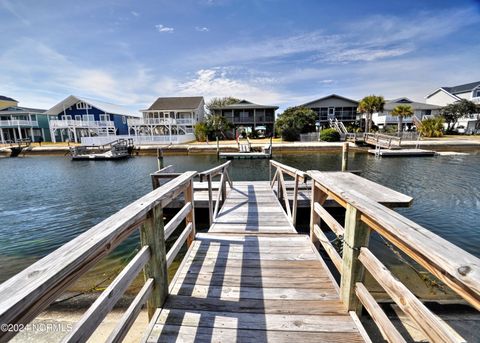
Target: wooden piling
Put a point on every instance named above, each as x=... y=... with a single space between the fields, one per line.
x=218 y=149
x=160 y=158
x=345 y=157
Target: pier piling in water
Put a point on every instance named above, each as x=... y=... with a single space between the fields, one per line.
x=345 y=157
x=160 y=158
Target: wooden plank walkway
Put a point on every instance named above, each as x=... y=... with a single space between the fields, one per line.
x=252 y=278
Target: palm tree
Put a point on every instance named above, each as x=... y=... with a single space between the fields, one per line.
x=402 y=111
x=369 y=105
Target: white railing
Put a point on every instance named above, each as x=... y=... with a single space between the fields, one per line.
x=18 y=122
x=62 y=124
x=138 y=140
x=160 y=121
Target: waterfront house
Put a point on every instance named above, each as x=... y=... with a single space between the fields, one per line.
x=420 y=111
x=20 y=123
x=5 y=101
x=76 y=117
x=168 y=120
x=333 y=107
x=249 y=116
x=447 y=95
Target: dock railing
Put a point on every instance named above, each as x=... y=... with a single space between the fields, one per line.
x=282 y=170
x=208 y=175
x=455 y=267
x=383 y=141
x=28 y=293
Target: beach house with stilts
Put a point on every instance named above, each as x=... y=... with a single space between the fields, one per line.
x=248 y=116
x=168 y=120
x=76 y=117
x=21 y=123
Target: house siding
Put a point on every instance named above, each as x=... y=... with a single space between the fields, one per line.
x=440 y=98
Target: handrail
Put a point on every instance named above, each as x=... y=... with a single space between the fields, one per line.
x=208 y=175
x=26 y=294
x=297 y=175
x=384 y=141
x=455 y=267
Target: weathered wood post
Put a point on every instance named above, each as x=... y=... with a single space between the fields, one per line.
x=320 y=197
x=210 y=199
x=160 y=158
x=152 y=234
x=224 y=185
x=345 y=157
x=190 y=218
x=357 y=235
x=218 y=149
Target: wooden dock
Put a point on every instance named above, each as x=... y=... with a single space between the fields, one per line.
x=402 y=152
x=251 y=277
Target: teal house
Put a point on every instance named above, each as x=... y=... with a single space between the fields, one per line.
x=20 y=123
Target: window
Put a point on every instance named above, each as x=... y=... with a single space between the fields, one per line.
x=88 y=117
x=78 y=117
x=83 y=106
x=124 y=120
x=104 y=117
x=477 y=93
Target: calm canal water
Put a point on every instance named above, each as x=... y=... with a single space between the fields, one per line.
x=46 y=201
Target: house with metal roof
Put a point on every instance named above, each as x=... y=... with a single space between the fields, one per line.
x=21 y=123
x=333 y=107
x=420 y=111
x=446 y=95
x=168 y=120
x=248 y=115
x=76 y=117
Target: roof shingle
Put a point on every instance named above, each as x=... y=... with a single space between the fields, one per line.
x=176 y=103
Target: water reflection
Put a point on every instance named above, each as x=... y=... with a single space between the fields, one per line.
x=47 y=201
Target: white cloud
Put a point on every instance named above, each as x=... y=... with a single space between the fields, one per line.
x=201 y=28
x=370 y=39
x=163 y=28
x=218 y=83
x=13 y=10
x=135 y=14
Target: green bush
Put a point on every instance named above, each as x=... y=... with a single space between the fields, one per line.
x=432 y=127
x=290 y=134
x=201 y=131
x=329 y=135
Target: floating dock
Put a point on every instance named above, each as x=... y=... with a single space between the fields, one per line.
x=244 y=155
x=116 y=150
x=402 y=152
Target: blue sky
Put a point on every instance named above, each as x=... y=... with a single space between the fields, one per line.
x=271 y=52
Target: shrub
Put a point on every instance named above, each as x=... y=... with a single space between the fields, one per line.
x=295 y=120
x=329 y=135
x=253 y=134
x=432 y=127
x=201 y=131
x=290 y=134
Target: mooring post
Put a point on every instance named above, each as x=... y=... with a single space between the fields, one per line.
x=345 y=157
x=160 y=158
x=218 y=149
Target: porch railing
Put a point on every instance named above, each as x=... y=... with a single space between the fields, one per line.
x=19 y=122
x=68 y=123
x=453 y=266
x=31 y=291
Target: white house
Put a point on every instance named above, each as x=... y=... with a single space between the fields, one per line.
x=447 y=95
x=169 y=120
x=420 y=111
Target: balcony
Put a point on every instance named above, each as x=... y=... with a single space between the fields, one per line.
x=64 y=124
x=17 y=123
x=160 y=121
